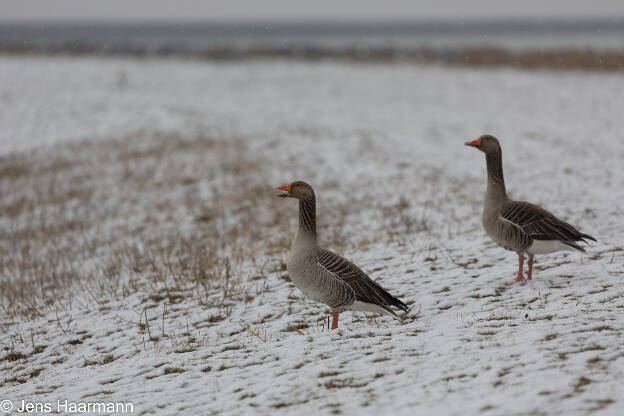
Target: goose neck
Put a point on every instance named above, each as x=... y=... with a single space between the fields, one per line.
x=307 y=219
x=495 y=180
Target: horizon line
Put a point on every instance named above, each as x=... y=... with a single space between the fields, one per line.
x=470 y=20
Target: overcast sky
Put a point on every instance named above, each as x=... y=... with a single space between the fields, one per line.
x=294 y=10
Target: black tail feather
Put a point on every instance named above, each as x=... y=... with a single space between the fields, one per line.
x=386 y=308
x=396 y=302
x=573 y=245
x=587 y=236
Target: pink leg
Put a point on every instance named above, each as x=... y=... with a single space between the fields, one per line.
x=335 y=319
x=520 y=277
x=530 y=268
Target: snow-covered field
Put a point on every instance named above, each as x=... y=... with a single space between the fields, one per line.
x=143 y=248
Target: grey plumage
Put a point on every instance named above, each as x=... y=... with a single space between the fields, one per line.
x=535 y=223
x=364 y=288
x=326 y=276
x=520 y=226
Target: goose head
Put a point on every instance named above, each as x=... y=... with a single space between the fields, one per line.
x=297 y=189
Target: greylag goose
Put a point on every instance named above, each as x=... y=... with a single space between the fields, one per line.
x=325 y=276
x=516 y=225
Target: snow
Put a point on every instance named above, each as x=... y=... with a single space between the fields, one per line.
x=397 y=193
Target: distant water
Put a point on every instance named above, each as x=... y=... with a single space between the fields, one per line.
x=188 y=38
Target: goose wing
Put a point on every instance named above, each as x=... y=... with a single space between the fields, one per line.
x=538 y=224
x=365 y=289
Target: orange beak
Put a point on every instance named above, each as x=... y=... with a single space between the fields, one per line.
x=284 y=188
x=474 y=143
